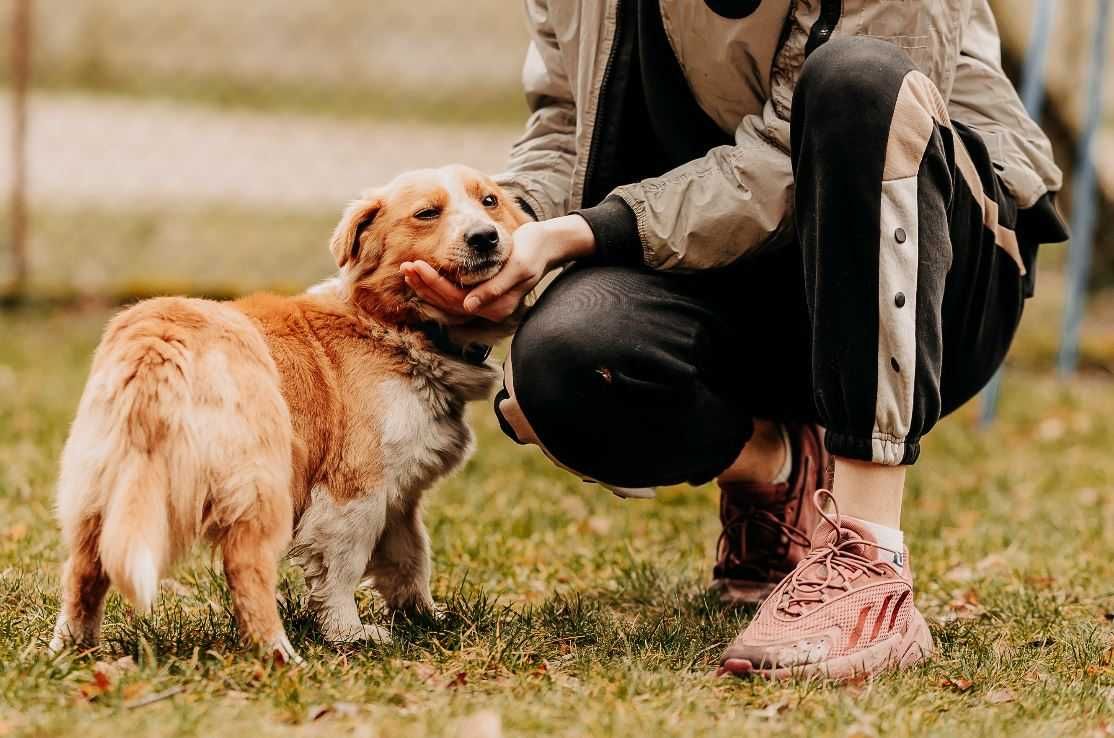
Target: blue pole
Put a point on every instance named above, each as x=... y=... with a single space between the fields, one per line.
x=1032 y=97
x=1083 y=194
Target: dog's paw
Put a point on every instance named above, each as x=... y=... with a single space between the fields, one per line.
x=358 y=633
x=66 y=635
x=281 y=650
x=58 y=644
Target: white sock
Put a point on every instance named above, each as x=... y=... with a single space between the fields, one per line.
x=891 y=538
x=786 y=469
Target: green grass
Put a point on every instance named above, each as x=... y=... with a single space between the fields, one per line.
x=215 y=250
x=569 y=612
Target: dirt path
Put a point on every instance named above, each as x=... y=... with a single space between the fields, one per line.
x=121 y=153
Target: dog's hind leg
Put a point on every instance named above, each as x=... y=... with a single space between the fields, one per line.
x=400 y=565
x=252 y=547
x=84 y=586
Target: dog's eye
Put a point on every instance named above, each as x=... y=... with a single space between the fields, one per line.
x=490 y=201
x=428 y=214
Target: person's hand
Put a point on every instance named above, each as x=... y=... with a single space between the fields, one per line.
x=537 y=248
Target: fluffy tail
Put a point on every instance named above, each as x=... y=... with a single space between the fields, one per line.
x=135 y=529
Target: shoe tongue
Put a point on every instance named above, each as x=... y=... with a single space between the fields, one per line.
x=826 y=534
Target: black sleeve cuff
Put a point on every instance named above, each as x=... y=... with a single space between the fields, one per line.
x=616 y=230
x=525 y=207
x=1042 y=222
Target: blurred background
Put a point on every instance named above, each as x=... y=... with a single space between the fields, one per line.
x=208 y=147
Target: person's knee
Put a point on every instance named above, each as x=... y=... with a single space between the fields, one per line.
x=550 y=367
x=847 y=76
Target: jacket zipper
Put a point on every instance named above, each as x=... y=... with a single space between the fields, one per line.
x=830 y=12
x=593 y=147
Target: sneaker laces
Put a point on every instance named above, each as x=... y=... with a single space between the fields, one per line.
x=830 y=568
x=732 y=542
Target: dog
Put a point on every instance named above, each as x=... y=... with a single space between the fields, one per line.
x=308 y=424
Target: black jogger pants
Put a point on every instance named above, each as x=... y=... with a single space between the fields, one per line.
x=895 y=306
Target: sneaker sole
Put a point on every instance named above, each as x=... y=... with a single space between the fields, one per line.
x=915 y=645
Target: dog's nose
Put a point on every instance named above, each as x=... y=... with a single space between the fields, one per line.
x=482 y=239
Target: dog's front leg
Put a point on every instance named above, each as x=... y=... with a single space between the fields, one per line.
x=400 y=564
x=333 y=546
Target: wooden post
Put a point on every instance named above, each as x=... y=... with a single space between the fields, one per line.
x=21 y=72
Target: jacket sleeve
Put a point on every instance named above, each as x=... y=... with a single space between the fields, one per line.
x=710 y=211
x=539 y=171
x=985 y=99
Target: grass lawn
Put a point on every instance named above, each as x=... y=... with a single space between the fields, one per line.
x=570 y=612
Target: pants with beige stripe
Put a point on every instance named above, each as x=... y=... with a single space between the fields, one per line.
x=896 y=304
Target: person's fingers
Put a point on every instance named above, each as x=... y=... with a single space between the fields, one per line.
x=432 y=278
x=502 y=283
x=502 y=307
x=426 y=293
x=432 y=288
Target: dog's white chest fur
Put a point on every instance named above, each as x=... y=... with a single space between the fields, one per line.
x=418 y=443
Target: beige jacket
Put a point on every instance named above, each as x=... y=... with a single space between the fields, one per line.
x=743 y=73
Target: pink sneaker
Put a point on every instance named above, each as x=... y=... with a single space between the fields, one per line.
x=846 y=610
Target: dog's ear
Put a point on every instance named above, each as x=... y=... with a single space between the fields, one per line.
x=349 y=233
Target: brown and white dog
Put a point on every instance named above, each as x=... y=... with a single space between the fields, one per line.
x=311 y=424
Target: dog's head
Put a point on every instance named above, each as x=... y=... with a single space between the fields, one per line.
x=455 y=218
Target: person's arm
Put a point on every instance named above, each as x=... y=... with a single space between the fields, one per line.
x=704 y=214
x=985 y=99
x=539 y=170
x=708 y=212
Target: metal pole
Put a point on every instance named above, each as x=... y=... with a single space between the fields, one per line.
x=1083 y=197
x=21 y=72
x=1032 y=97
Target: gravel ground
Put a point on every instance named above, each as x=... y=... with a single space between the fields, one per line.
x=126 y=153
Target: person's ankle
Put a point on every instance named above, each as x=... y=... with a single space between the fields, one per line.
x=869 y=492
x=766 y=458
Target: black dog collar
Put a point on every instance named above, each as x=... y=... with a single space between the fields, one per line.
x=472 y=353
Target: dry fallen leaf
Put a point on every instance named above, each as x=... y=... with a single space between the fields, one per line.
x=960 y=573
x=97 y=685
x=339 y=709
x=965 y=605
x=460 y=680
x=1035 y=676
x=1000 y=696
x=115 y=669
x=772 y=710
x=16 y=532
x=1051 y=429
x=485 y=724
x=316 y=712
x=599 y=525
x=959 y=684
x=422 y=670
x=134 y=690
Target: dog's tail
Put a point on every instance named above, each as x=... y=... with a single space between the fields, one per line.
x=135 y=530
x=138 y=535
